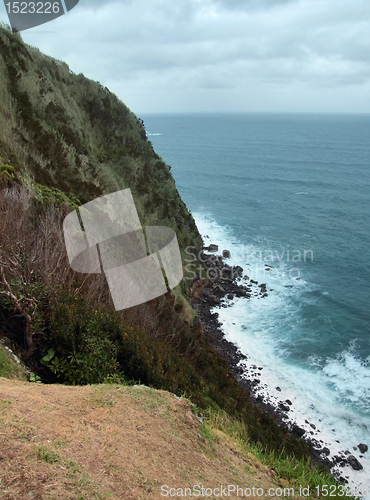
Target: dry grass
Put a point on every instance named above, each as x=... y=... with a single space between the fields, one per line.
x=111 y=442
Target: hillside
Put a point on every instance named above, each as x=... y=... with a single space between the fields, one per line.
x=72 y=133
x=60 y=442
x=65 y=140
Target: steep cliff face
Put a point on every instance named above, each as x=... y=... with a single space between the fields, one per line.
x=72 y=133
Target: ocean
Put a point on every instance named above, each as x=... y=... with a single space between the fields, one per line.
x=289 y=196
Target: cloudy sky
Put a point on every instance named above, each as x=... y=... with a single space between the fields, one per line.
x=218 y=55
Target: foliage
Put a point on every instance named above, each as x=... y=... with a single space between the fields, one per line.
x=44 y=197
x=300 y=473
x=7 y=175
x=47 y=455
x=72 y=134
x=82 y=351
x=9 y=368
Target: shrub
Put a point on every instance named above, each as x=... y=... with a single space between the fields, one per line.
x=80 y=348
x=8 y=175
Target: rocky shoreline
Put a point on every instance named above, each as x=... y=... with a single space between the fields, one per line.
x=220 y=285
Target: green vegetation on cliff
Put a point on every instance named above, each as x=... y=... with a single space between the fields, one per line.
x=72 y=133
x=65 y=140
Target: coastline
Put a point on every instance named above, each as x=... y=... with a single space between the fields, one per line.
x=223 y=284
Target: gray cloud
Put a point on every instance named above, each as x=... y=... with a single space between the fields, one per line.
x=160 y=55
x=251 y=4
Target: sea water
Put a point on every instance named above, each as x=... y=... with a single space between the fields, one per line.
x=289 y=196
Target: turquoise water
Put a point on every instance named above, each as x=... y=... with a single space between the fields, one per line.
x=293 y=192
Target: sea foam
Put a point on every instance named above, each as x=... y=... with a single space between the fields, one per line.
x=326 y=393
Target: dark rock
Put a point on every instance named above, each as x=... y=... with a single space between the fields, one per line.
x=196 y=321
x=212 y=298
x=230 y=296
x=219 y=290
x=226 y=273
x=340 y=461
x=298 y=431
x=288 y=402
x=226 y=254
x=354 y=463
x=363 y=447
x=212 y=248
x=313 y=426
x=255 y=282
x=278 y=389
x=284 y=407
x=325 y=451
x=237 y=271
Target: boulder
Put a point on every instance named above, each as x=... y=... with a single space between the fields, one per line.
x=213 y=248
x=363 y=447
x=226 y=254
x=284 y=407
x=354 y=463
x=298 y=431
x=237 y=271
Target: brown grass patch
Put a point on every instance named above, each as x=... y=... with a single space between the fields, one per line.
x=111 y=442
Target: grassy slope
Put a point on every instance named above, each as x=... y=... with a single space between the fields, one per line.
x=116 y=442
x=9 y=367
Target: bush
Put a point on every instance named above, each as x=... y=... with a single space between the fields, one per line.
x=80 y=350
x=8 y=175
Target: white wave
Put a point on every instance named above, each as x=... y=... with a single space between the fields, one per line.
x=351 y=378
x=154 y=134
x=323 y=392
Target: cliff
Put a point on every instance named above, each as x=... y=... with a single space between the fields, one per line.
x=65 y=140
x=71 y=133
